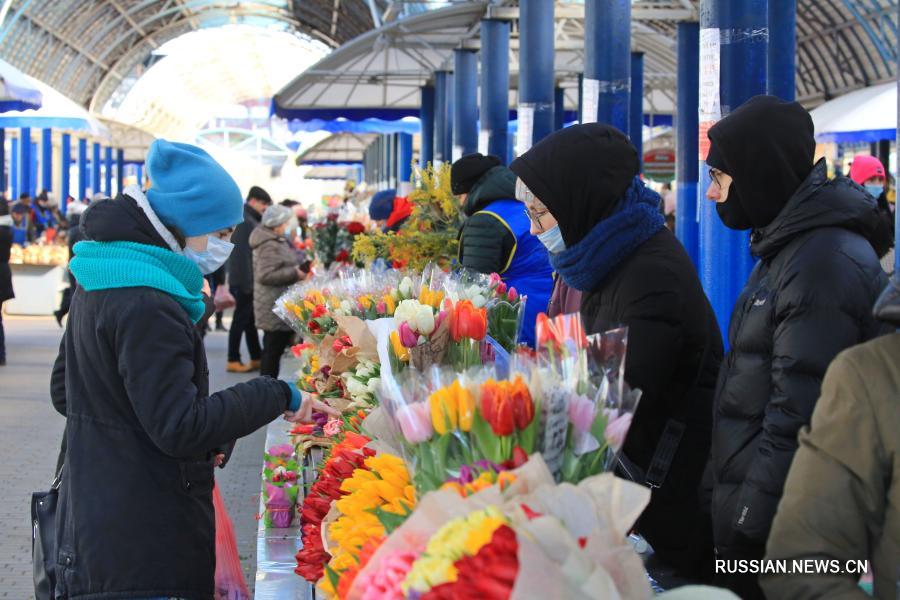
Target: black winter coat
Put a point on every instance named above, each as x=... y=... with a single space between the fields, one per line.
x=809 y=297
x=485 y=244
x=674 y=353
x=240 y=263
x=135 y=514
x=6 y=287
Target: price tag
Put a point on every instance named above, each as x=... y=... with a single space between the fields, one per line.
x=554 y=427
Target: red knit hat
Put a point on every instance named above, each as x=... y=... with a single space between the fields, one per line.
x=865 y=168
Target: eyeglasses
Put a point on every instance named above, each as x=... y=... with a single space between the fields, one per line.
x=714 y=175
x=535 y=217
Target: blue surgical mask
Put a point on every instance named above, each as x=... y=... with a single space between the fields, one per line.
x=552 y=240
x=875 y=189
x=216 y=253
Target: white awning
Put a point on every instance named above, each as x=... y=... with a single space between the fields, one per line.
x=337 y=149
x=16 y=90
x=56 y=112
x=133 y=140
x=331 y=173
x=866 y=115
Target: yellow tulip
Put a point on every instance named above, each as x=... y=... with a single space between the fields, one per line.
x=444 y=410
x=390 y=304
x=466 y=404
x=366 y=302
x=401 y=351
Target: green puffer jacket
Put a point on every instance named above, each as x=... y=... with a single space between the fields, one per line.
x=842 y=496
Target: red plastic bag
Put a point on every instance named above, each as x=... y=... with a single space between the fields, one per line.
x=223 y=299
x=230 y=583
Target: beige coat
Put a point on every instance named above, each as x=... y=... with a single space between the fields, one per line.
x=274 y=270
x=842 y=495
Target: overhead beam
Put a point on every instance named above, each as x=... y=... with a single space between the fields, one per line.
x=134 y=24
x=576 y=11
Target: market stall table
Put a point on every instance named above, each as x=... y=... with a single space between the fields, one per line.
x=38 y=289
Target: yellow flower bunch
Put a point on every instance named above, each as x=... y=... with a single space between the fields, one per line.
x=485 y=480
x=390 y=303
x=400 y=351
x=384 y=484
x=452 y=407
x=432 y=298
x=463 y=536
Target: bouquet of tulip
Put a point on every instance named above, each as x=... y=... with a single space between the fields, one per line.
x=362 y=383
x=306 y=307
x=451 y=421
x=504 y=307
x=280 y=490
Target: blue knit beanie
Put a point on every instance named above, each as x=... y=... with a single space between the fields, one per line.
x=382 y=205
x=190 y=190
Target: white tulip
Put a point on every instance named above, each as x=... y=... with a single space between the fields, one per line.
x=424 y=320
x=406 y=311
x=478 y=301
x=373 y=384
x=405 y=287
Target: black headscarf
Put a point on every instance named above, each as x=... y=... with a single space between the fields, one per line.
x=579 y=173
x=767 y=146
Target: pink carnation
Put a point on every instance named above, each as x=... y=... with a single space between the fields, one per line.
x=332 y=427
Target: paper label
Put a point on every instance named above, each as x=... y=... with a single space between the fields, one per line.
x=590 y=99
x=484 y=136
x=710 y=101
x=526 y=128
x=554 y=426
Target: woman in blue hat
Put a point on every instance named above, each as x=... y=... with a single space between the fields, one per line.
x=135 y=515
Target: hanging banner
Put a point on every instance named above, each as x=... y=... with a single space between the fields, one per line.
x=590 y=100
x=526 y=128
x=710 y=106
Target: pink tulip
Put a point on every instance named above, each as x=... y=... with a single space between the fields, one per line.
x=495 y=279
x=408 y=337
x=440 y=319
x=617 y=430
x=581 y=413
x=415 y=422
x=501 y=288
x=381 y=308
x=513 y=294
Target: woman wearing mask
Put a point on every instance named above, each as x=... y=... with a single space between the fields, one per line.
x=135 y=515
x=275 y=267
x=868 y=172
x=608 y=241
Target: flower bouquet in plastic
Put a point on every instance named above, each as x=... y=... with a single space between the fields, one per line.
x=281 y=485
x=504 y=307
x=307 y=308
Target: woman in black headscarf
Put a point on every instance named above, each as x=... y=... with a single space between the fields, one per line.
x=608 y=240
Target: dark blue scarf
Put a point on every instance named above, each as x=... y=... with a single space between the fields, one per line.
x=585 y=265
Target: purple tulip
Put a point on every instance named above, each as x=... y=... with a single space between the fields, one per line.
x=582 y=413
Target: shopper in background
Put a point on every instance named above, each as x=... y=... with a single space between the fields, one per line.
x=809 y=297
x=44 y=217
x=6 y=288
x=23 y=220
x=135 y=516
x=842 y=495
x=72 y=237
x=275 y=268
x=496 y=238
x=868 y=172
x=381 y=206
x=240 y=278
x=607 y=240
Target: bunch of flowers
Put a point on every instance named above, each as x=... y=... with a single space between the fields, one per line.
x=449 y=427
x=378 y=495
x=504 y=306
x=428 y=236
x=306 y=309
x=280 y=490
x=479 y=476
x=333 y=240
x=344 y=460
x=362 y=383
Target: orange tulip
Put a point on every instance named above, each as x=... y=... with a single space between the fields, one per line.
x=468 y=321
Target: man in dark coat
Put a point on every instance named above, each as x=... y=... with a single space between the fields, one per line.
x=495 y=236
x=6 y=289
x=240 y=281
x=609 y=242
x=809 y=297
x=135 y=517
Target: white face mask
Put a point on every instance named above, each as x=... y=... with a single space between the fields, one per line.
x=216 y=254
x=552 y=239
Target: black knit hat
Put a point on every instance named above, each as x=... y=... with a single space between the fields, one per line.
x=466 y=172
x=260 y=194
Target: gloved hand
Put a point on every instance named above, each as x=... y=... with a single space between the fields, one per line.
x=296 y=398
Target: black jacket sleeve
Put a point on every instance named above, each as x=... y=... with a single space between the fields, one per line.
x=486 y=244
x=240 y=264
x=819 y=312
x=154 y=345
x=58 y=379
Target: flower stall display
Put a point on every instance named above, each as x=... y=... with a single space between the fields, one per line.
x=333 y=239
x=428 y=236
x=280 y=489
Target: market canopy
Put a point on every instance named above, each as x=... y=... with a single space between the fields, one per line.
x=866 y=115
x=334 y=172
x=56 y=112
x=337 y=149
x=16 y=90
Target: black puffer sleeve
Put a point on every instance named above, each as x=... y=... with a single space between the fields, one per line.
x=486 y=244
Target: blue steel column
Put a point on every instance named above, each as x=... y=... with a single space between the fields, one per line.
x=24 y=160
x=782 y=54
x=95 y=169
x=449 y=92
x=536 y=80
x=2 y=160
x=14 y=169
x=740 y=26
x=404 y=157
x=426 y=116
x=607 y=62
x=107 y=176
x=47 y=160
x=686 y=131
x=120 y=169
x=636 y=107
x=82 y=169
x=465 y=103
x=139 y=172
x=494 y=110
x=33 y=173
x=65 y=171
x=440 y=116
x=559 y=108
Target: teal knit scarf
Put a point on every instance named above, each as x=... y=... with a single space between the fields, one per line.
x=109 y=265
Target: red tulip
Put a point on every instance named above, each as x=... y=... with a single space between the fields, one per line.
x=319 y=311
x=496 y=408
